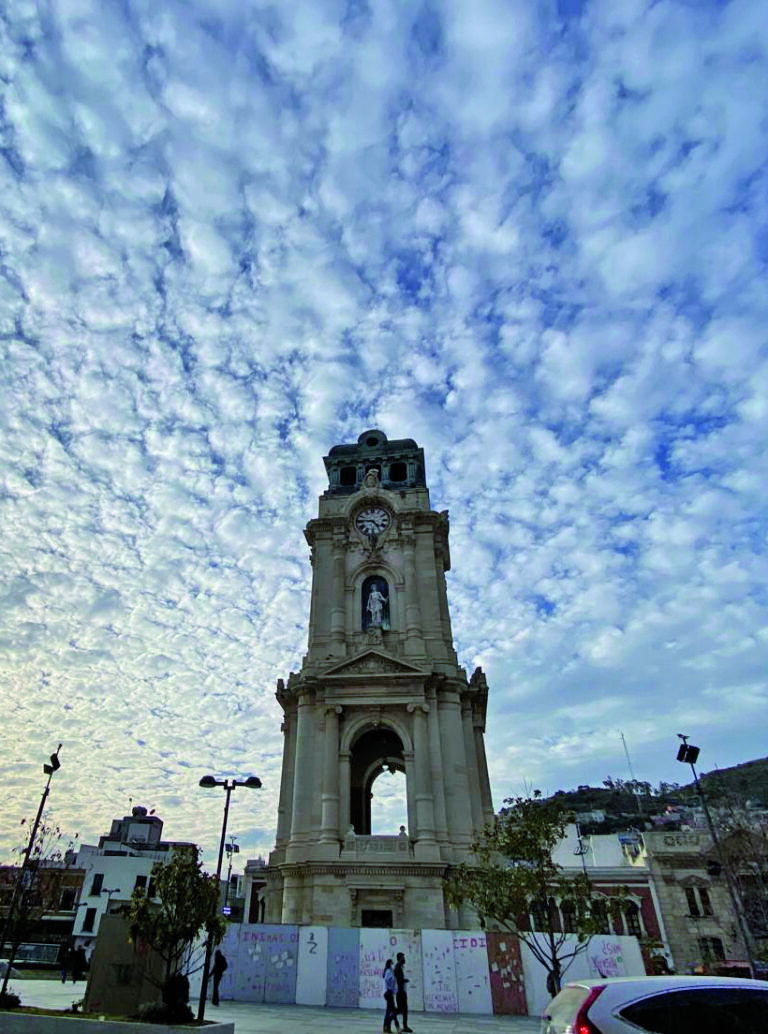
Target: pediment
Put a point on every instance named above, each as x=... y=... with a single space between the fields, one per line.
x=374 y=662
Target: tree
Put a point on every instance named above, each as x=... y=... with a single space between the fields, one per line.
x=32 y=889
x=515 y=878
x=188 y=902
x=743 y=834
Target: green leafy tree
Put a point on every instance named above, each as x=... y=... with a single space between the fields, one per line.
x=188 y=903
x=515 y=885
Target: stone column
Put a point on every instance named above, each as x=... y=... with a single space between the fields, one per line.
x=329 y=833
x=414 y=636
x=436 y=772
x=455 y=772
x=345 y=789
x=303 y=778
x=286 y=783
x=410 y=792
x=473 y=776
x=337 y=602
x=425 y=814
x=482 y=765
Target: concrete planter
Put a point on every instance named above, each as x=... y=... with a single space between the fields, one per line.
x=27 y=1023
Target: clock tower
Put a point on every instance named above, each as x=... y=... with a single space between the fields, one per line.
x=380 y=690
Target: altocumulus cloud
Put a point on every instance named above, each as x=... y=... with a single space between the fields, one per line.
x=530 y=236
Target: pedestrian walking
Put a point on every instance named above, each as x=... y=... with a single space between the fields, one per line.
x=402 y=995
x=79 y=964
x=219 y=969
x=390 y=989
x=64 y=962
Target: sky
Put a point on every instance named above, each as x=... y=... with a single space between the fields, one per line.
x=531 y=236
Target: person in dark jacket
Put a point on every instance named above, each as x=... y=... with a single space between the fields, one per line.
x=402 y=994
x=65 y=961
x=79 y=964
x=219 y=969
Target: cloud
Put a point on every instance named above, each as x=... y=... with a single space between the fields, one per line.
x=234 y=237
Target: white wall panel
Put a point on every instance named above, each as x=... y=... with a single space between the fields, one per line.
x=312 y=965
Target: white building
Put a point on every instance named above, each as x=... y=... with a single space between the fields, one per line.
x=122 y=861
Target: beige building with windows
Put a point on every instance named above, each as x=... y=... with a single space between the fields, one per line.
x=693 y=898
x=380 y=689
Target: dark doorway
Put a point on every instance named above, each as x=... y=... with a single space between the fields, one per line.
x=380 y=918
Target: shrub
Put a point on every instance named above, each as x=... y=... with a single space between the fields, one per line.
x=165 y=1012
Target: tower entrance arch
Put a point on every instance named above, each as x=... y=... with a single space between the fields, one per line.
x=380 y=690
x=376 y=751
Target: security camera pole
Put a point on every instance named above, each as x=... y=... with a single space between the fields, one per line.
x=688 y=754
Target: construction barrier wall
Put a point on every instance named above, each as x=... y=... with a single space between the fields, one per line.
x=450 y=971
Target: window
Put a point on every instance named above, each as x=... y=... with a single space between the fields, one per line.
x=600 y=913
x=90 y=918
x=141 y=883
x=632 y=918
x=67 y=902
x=693 y=905
x=378 y=918
x=348 y=476
x=699 y=901
x=568 y=910
x=538 y=915
x=706 y=1010
x=712 y=949
x=706 y=904
x=98 y=880
x=398 y=472
x=151 y=889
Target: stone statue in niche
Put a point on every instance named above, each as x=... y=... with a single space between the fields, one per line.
x=375 y=603
x=375 y=606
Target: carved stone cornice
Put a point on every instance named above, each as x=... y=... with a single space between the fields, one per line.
x=344 y=870
x=373 y=662
x=412 y=707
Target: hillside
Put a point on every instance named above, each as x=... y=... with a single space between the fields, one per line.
x=627 y=803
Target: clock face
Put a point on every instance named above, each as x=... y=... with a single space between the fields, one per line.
x=372 y=520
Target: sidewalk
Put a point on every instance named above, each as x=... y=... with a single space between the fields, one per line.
x=250 y=1018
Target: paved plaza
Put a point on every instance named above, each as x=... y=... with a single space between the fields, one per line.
x=250 y=1018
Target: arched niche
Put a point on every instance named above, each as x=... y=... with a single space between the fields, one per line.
x=375 y=597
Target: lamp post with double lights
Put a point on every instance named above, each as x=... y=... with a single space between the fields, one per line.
x=109 y=891
x=48 y=769
x=208 y=782
x=688 y=755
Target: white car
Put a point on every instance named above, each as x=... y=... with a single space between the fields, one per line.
x=664 y=1005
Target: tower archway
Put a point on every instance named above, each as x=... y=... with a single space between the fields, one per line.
x=375 y=750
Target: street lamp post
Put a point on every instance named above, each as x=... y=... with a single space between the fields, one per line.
x=49 y=769
x=688 y=755
x=232 y=849
x=109 y=891
x=208 y=781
